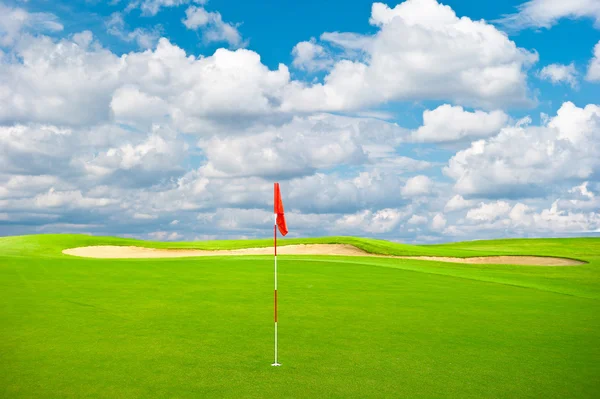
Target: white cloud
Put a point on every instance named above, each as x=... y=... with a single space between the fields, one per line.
x=557 y=73
x=545 y=13
x=196 y=89
x=330 y=193
x=523 y=160
x=164 y=235
x=582 y=190
x=155 y=155
x=417 y=186
x=593 y=72
x=144 y=38
x=438 y=222
x=35 y=149
x=522 y=219
x=417 y=219
x=580 y=198
x=353 y=45
x=19 y=186
x=152 y=7
x=249 y=222
x=14 y=21
x=271 y=155
x=213 y=28
x=144 y=216
x=310 y=56
x=378 y=222
x=423 y=50
x=555 y=219
x=129 y=104
x=86 y=157
x=304 y=145
x=519 y=214
x=457 y=203
x=488 y=212
x=449 y=123
x=389 y=160
x=74 y=88
x=69 y=199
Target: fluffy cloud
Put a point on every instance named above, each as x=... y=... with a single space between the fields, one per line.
x=457 y=203
x=22 y=186
x=33 y=89
x=417 y=186
x=489 y=212
x=148 y=162
x=152 y=7
x=310 y=56
x=557 y=220
x=351 y=45
x=144 y=38
x=69 y=199
x=331 y=193
x=303 y=146
x=271 y=155
x=545 y=13
x=58 y=83
x=438 y=222
x=164 y=235
x=214 y=29
x=449 y=123
x=416 y=219
x=423 y=50
x=523 y=160
x=593 y=73
x=197 y=89
x=521 y=219
x=378 y=222
x=91 y=156
x=582 y=190
x=14 y=21
x=30 y=150
x=130 y=105
x=557 y=73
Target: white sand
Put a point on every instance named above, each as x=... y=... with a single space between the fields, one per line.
x=121 y=252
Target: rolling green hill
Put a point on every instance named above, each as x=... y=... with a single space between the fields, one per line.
x=349 y=327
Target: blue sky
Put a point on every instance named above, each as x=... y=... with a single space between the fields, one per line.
x=417 y=121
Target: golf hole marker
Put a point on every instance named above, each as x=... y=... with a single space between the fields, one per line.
x=279 y=223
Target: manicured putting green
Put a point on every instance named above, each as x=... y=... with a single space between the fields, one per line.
x=349 y=327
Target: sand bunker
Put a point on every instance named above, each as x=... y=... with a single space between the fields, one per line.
x=111 y=251
x=121 y=252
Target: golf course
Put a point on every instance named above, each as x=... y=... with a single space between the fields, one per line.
x=349 y=326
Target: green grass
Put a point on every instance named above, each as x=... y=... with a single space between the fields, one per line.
x=349 y=327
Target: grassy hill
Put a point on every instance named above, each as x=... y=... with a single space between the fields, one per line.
x=349 y=327
x=52 y=244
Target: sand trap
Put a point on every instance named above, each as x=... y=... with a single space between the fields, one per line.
x=111 y=251
x=121 y=252
x=503 y=260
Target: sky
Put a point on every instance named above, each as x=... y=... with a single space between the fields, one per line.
x=417 y=121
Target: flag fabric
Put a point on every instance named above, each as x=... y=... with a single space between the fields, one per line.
x=280 y=220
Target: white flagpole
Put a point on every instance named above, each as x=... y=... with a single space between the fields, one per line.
x=275 y=247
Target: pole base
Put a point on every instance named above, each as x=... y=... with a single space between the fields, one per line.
x=276 y=364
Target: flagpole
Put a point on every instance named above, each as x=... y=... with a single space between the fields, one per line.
x=275 y=275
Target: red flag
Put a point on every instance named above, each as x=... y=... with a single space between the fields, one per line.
x=280 y=221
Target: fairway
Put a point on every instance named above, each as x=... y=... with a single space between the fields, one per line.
x=349 y=327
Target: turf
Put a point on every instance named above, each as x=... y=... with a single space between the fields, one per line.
x=349 y=327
